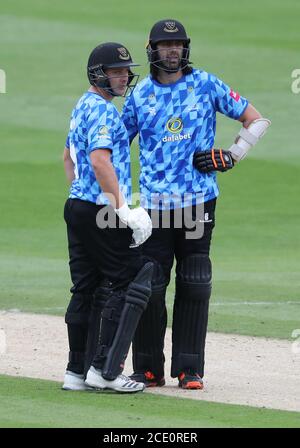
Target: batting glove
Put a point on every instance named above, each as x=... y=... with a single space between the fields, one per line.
x=138 y=220
x=213 y=160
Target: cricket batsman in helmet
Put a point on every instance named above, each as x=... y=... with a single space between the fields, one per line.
x=174 y=112
x=111 y=282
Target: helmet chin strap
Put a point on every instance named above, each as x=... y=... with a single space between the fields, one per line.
x=111 y=91
x=161 y=66
x=108 y=89
x=159 y=63
x=99 y=79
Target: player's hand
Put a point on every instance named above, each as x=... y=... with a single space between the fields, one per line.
x=139 y=221
x=213 y=160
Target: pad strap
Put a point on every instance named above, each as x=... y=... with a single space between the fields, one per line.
x=248 y=137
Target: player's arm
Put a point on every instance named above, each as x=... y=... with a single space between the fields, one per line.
x=254 y=127
x=231 y=104
x=137 y=219
x=106 y=176
x=249 y=116
x=68 y=165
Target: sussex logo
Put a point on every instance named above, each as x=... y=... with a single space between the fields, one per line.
x=170 y=27
x=103 y=133
x=175 y=125
x=123 y=54
x=103 y=130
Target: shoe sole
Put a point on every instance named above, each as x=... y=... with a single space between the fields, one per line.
x=158 y=384
x=192 y=385
x=125 y=391
x=86 y=388
x=149 y=383
x=115 y=389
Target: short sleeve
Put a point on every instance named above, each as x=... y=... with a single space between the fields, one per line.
x=100 y=127
x=226 y=100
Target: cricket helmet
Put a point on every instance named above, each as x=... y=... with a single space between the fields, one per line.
x=165 y=30
x=110 y=55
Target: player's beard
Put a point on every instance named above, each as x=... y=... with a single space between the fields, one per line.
x=171 y=67
x=172 y=63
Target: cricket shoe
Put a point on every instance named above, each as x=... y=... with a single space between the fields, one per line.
x=120 y=384
x=190 y=380
x=74 y=381
x=149 y=379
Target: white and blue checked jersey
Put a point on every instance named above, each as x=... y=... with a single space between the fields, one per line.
x=95 y=124
x=174 y=121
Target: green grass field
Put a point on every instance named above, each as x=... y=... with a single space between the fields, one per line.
x=39 y=403
x=255 y=252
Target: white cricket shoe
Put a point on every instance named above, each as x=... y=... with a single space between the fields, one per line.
x=74 y=381
x=121 y=384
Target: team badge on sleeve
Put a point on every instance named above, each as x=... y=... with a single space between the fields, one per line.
x=103 y=133
x=103 y=130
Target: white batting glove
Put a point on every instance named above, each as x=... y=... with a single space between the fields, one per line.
x=138 y=220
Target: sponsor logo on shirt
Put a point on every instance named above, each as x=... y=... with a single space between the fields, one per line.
x=234 y=95
x=175 y=125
